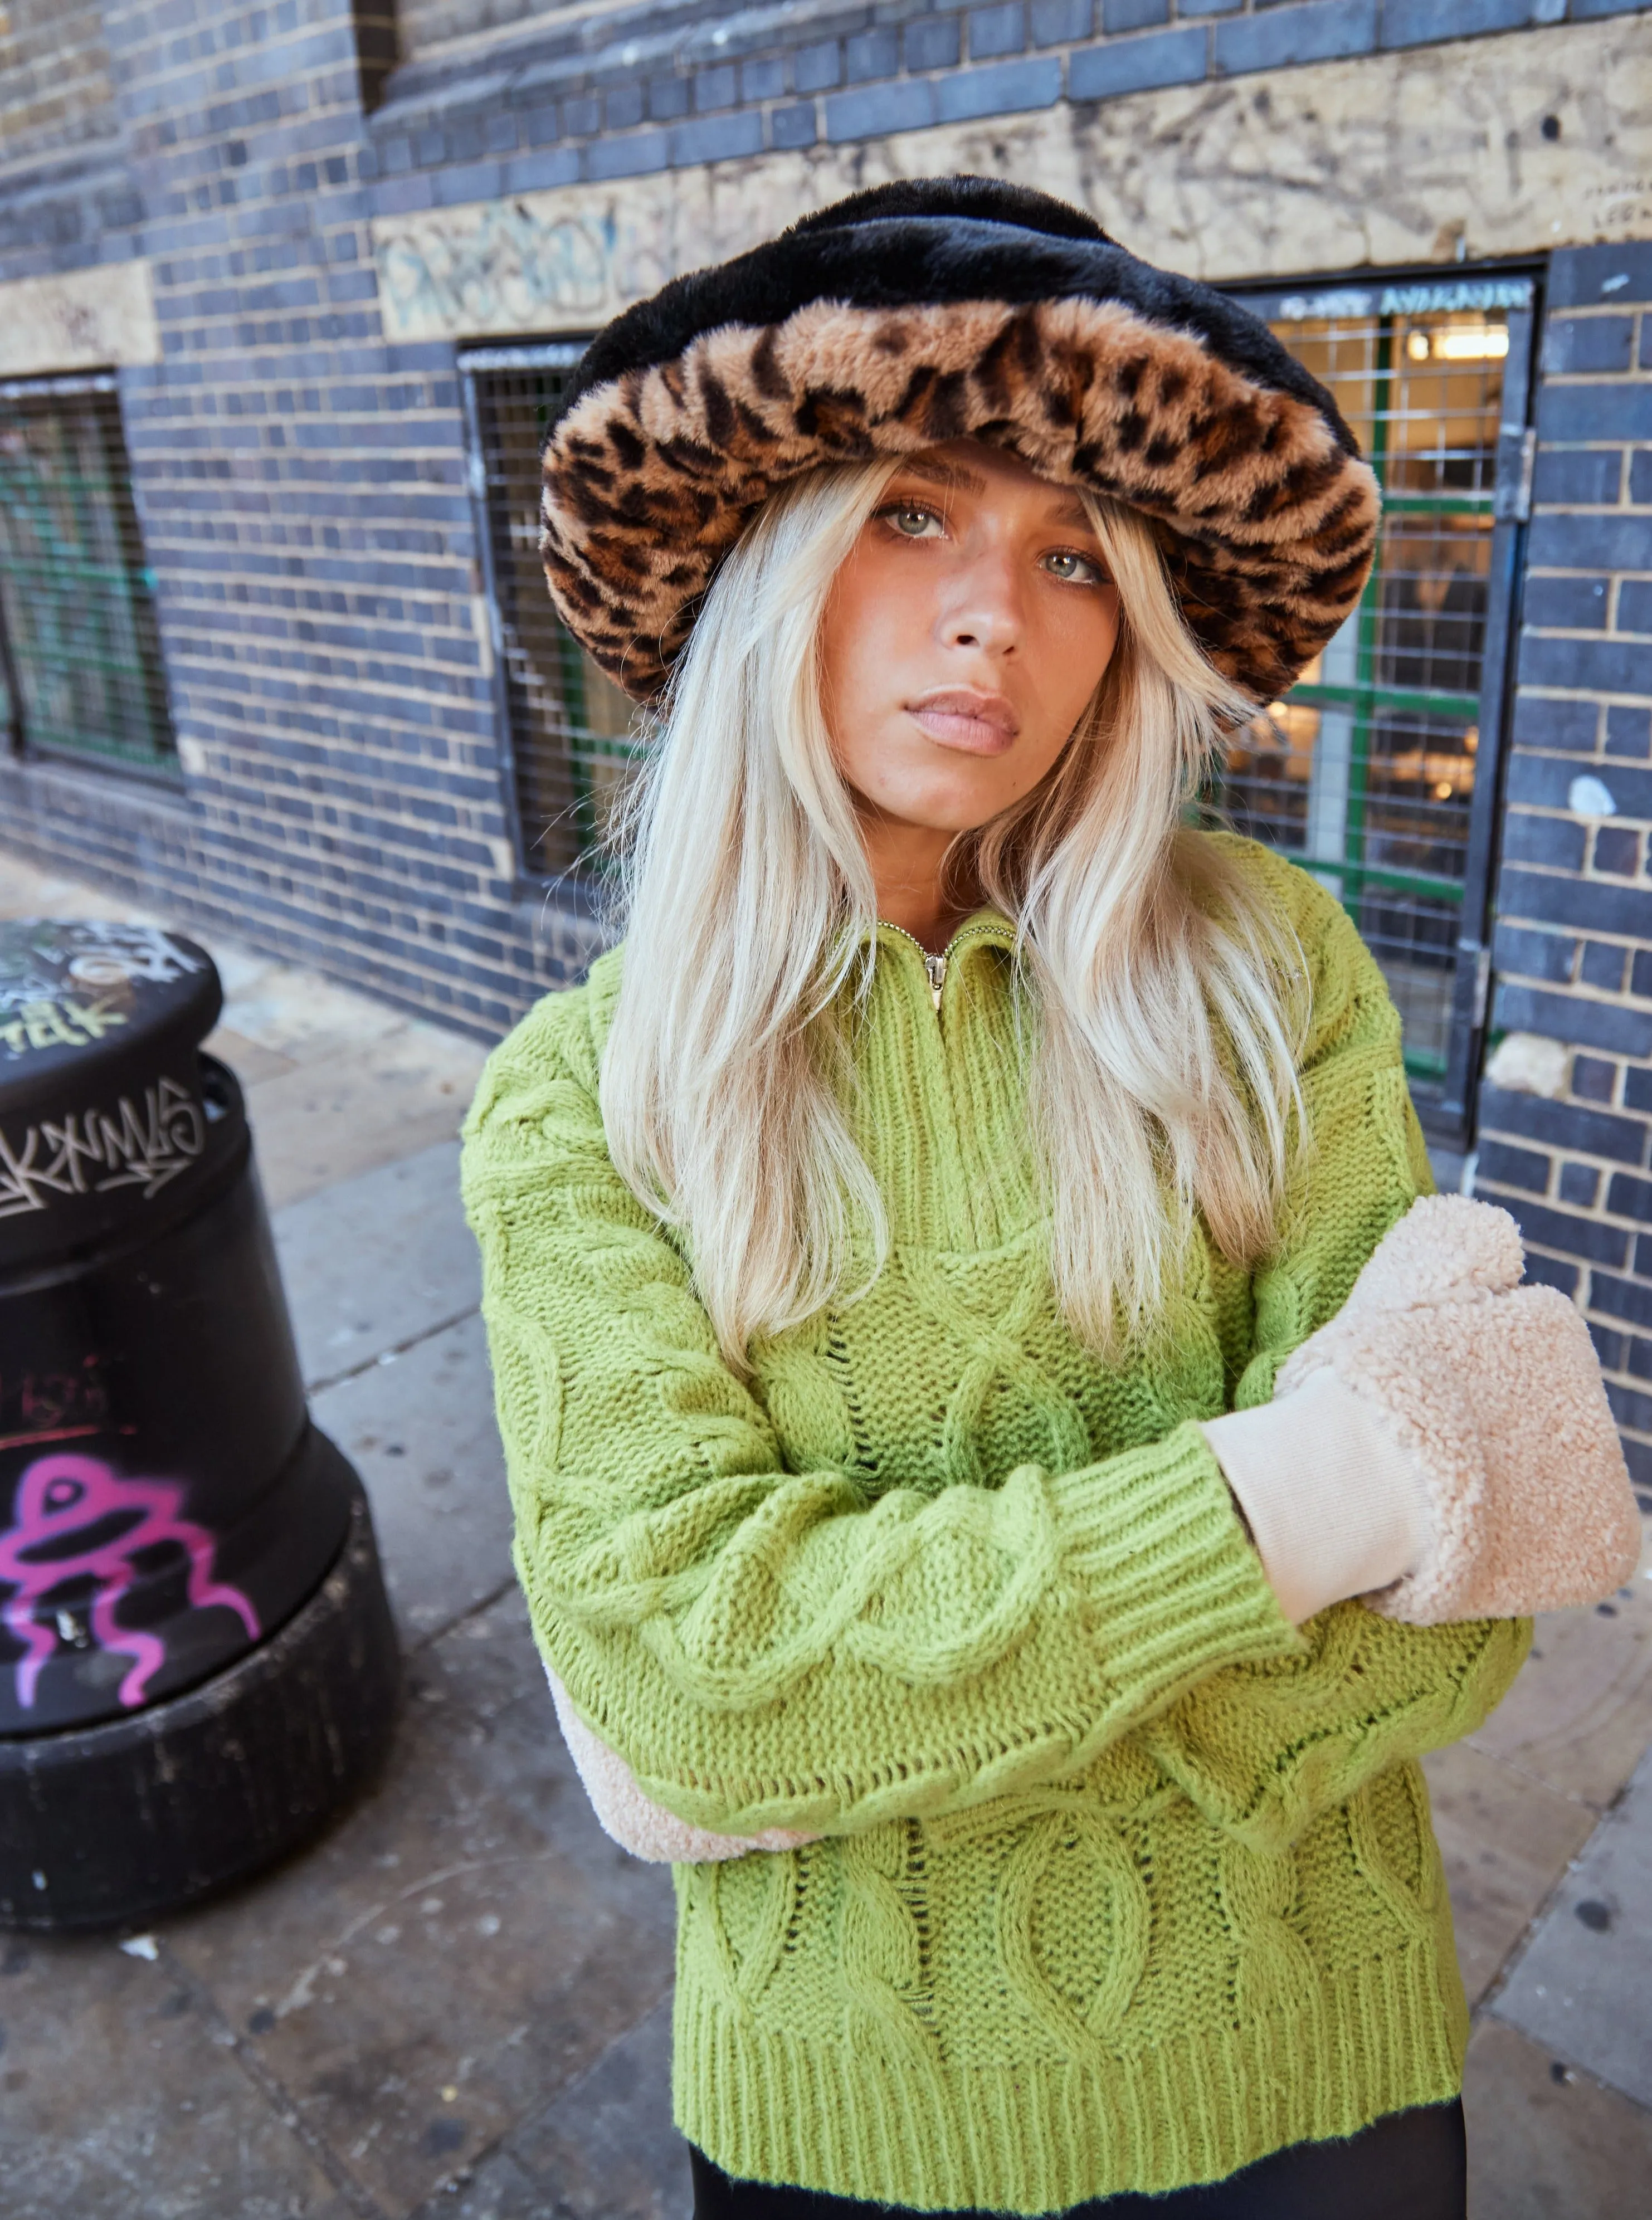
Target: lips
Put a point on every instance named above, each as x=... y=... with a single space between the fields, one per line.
x=959 y=717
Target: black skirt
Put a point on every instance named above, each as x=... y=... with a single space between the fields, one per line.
x=1407 y=2166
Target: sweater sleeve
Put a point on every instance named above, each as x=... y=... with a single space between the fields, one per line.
x=767 y=1648
x=1263 y=1747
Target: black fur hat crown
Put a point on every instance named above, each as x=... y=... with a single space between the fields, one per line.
x=946 y=308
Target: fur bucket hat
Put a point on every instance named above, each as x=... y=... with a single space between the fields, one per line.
x=947 y=308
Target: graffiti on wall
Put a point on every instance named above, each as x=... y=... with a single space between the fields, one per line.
x=76 y=1519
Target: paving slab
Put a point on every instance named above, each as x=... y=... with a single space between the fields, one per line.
x=1548 y=2143
x=377 y=1261
x=395 y=1094
x=462 y=1945
x=1580 y=1714
x=605 y=2147
x=1583 y=1984
x=124 y=2100
x=419 y=1428
x=1506 y=1840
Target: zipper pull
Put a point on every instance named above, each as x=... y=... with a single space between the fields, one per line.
x=936 y=967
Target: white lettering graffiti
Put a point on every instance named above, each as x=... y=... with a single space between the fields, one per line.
x=129 y=1146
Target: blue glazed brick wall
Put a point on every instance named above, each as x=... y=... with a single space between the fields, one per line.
x=1573 y=951
x=303 y=500
x=654 y=87
x=302 y=484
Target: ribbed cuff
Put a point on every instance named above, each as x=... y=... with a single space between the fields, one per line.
x=1336 y=1507
x=1176 y=1590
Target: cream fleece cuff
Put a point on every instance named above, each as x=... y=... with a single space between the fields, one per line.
x=1335 y=1506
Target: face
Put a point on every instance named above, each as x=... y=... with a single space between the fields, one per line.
x=963 y=640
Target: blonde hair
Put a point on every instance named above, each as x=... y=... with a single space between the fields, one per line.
x=1165 y=1001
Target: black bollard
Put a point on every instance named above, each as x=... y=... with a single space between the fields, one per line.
x=197 y=1660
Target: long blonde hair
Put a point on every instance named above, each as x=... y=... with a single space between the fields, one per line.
x=1167 y=1002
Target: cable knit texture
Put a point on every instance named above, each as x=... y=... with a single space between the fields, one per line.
x=1122 y=1879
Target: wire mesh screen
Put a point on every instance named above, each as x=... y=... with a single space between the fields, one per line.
x=1366 y=771
x=570 y=727
x=80 y=666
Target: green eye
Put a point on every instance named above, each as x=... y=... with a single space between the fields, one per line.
x=1075 y=570
x=911 y=518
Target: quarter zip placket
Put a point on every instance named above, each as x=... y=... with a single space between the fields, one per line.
x=934 y=966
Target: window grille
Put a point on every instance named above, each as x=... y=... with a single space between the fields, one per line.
x=80 y=664
x=1378 y=770
x=570 y=728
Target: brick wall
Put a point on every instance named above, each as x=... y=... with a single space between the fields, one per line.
x=621 y=92
x=301 y=483
x=301 y=490
x=1568 y=1149
x=54 y=85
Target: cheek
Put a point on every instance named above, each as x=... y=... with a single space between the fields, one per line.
x=876 y=621
x=1074 y=647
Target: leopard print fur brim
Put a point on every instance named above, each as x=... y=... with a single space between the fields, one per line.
x=1092 y=368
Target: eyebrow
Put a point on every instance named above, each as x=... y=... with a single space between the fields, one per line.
x=954 y=477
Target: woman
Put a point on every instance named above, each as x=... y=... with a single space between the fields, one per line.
x=980 y=1519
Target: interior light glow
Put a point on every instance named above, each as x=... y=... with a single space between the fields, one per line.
x=1416 y=346
x=1471 y=343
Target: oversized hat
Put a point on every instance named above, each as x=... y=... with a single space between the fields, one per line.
x=947 y=308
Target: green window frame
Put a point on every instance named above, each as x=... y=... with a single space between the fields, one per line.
x=567 y=734
x=81 y=671
x=1379 y=770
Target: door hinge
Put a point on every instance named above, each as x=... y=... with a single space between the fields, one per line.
x=1516 y=463
x=1483 y=987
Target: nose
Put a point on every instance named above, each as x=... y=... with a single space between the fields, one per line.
x=982 y=607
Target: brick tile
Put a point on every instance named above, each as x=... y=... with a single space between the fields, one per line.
x=932 y=42
x=1628 y=731
x=1564 y=1125
x=1569 y=604
x=1321 y=30
x=1062 y=22
x=872 y=55
x=1136 y=15
x=1137 y=64
x=1579 y=276
x=997 y=30
x=1540 y=721
x=793 y=126
x=1579 y=1184
x=1580 y=1024
x=1420 y=22
x=1499 y=1165
x=1576 y=344
x=1547 y=955
x=1594 y=1080
x=907 y=105
x=1588 y=476
x=816 y=69
x=1002 y=88
x=1591 y=543
x=1603 y=966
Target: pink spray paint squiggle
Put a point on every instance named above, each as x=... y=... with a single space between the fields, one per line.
x=61 y=1496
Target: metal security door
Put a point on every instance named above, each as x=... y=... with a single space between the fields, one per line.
x=566 y=729
x=1379 y=770
x=80 y=650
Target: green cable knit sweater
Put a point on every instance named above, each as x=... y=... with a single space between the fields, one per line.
x=1125 y=1881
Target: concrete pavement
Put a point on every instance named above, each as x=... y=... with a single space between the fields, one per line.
x=457 y=2002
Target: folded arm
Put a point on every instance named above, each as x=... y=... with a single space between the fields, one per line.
x=765 y=1649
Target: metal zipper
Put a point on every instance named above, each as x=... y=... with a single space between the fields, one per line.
x=934 y=966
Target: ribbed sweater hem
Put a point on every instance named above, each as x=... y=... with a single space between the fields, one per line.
x=1041 y=2136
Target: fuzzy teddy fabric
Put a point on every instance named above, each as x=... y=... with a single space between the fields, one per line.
x=1495 y=1393
x=647 y=1830
x=945 y=308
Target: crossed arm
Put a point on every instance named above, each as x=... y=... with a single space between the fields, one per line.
x=769 y=1654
